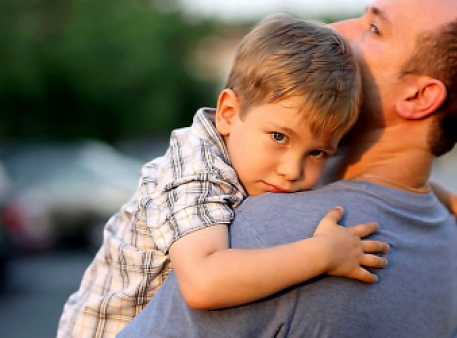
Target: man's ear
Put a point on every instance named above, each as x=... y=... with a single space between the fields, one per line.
x=423 y=98
x=228 y=108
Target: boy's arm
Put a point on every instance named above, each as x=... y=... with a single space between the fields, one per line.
x=447 y=197
x=210 y=275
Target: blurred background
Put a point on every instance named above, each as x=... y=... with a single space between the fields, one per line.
x=89 y=91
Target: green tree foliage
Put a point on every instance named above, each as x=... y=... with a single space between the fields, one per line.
x=105 y=69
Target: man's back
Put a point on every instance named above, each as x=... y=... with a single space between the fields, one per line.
x=416 y=295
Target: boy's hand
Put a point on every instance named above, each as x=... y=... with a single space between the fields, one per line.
x=347 y=254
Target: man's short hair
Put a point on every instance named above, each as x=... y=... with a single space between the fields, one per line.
x=435 y=55
x=283 y=57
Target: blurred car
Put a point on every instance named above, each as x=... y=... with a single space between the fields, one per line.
x=145 y=149
x=5 y=247
x=5 y=256
x=64 y=190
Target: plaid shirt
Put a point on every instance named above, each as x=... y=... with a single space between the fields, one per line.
x=191 y=187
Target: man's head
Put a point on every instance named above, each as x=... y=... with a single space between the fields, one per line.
x=293 y=92
x=408 y=56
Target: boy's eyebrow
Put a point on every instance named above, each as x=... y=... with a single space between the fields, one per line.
x=288 y=130
x=283 y=128
x=331 y=149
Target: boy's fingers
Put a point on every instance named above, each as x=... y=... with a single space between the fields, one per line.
x=363 y=230
x=375 y=246
x=373 y=261
x=366 y=276
x=335 y=214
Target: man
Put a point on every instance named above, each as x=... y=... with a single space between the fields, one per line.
x=407 y=51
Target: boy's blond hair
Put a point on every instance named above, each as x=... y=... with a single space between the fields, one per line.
x=283 y=57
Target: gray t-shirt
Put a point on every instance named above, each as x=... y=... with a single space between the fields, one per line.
x=415 y=297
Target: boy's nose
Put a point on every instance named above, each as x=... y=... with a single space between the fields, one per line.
x=291 y=170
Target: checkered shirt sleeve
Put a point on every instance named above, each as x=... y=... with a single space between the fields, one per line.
x=191 y=187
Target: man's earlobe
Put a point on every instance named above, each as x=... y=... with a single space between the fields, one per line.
x=425 y=98
x=227 y=109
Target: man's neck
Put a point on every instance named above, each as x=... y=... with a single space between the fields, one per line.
x=387 y=154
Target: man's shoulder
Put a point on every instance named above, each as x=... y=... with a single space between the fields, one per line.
x=280 y=218
x=299 y=201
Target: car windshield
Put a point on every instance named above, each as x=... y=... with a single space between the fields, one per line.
x=80 y=162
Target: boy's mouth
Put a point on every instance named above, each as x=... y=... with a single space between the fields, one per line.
x=274 y=188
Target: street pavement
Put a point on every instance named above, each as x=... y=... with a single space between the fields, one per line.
x=38 y=286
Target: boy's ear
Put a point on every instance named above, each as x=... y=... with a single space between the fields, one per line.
x=423 y=98
x=227 y=109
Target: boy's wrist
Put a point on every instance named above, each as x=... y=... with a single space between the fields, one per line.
x=322 y=253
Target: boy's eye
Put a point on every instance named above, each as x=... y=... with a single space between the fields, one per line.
x=318 y=153
x=279 y=137
x=374 y=29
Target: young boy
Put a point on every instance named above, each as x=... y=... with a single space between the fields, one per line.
x=293 y=92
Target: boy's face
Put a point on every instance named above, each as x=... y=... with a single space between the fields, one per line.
x=272 y=148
